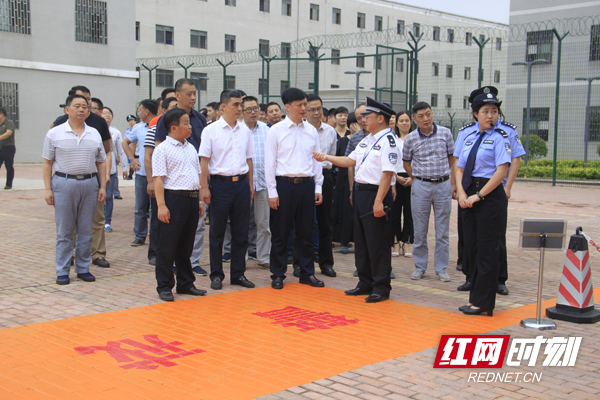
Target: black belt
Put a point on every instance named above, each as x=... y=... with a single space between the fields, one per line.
x=295 y=181
x=366 y=186
x=402 y=174
x=184 y=193
x=234 y=178
x=80 y=177
x=326 y=171
x=479 y=182
x=439 y=180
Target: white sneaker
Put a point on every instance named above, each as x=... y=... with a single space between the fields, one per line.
x=444 y=277
x=418 y=274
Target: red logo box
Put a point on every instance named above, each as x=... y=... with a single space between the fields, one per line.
x=471 y=351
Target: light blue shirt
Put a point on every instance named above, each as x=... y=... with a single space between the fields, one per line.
x=259 y=135
x=515 y=142
x=494 y=151
x=138 y=135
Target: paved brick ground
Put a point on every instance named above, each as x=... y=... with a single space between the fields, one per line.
x=28 y=293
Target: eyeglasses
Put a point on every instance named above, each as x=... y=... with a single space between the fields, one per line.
x=312 y=110
x=252 y=109
x=95 y=108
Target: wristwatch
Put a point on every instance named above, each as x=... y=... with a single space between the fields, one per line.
x=480 y=196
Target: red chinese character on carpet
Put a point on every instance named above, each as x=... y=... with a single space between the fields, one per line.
x=306 y=320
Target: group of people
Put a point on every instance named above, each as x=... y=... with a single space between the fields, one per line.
x=283 y=190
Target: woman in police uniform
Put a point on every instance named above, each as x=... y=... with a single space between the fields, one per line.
x=484 y=158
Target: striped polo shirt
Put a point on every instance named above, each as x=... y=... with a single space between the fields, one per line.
x=73 y=154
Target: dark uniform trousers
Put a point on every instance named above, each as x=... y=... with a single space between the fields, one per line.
x=229 y=200
x=372 y=239
x=481 y=232
x=7 y=157
x=324 y=221
x=296 y=208
x=153 y=247
x=176 y=243
x=402 y=231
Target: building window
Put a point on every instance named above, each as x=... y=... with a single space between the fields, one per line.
x=399 y=64
x=336 y=16
x=498 y=44
x=201 y=77
x=360 y=20
x=400 y=27
x=377 y=62
x=137 y=30
x=311 y=86
x=448 y=71
x=164 y=78
x=264 y=5
x=435 y=69
x=539 y=122
x=90 y=21
x=466 y=104
x=230 y=82
x=137 y=80
x=378 y=23
x=9 y=99
x=263 y=47
x=335 y=86
x=262 y=86
x=416 y=29
x=539 y=45
x=594 y=124
x=448 y=101
x=496 y=76
x=360 y=60
x=450 y=35
x=467 y=73
x=434 y=97
x=436 y=33
x=230 y=43
x=283 y=85
x=481 y=38
x=286 y=50
x=286 y=7
x=164 y=34
x=469 y=39
x=314 y=12
x=14 y=16
x=198 y=39
x=335 y=53
x=595 y=43
x=230 y=3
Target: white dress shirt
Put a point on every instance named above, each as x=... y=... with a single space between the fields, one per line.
x=374 y=155
x=178 y=163
x=289 y=152
x=118 y=150
x=400 y=166
x=328 y=138
x=227 y=148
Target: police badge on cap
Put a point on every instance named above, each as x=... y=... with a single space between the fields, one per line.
x=482 y=96
x=374 y=106
x=482 y=90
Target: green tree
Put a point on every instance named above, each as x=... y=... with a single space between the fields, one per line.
x=537 y=147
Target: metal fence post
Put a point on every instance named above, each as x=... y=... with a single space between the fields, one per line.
x=150 y=79
x=416 y=49
x=560 y=39
x=224 y=72
x=266 y=83
x=185 y=68
x=480 y=71
x=313 y=54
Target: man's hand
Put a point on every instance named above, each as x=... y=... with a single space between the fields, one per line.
x=318 y=198
x=251 y=193
x=274 y=203
x=101 y=195
x=472 y=200
x=507 y=190
x=351 y=198
x=319 y=156
x=135 y=164
x=201 y=213
x=462 y=200
x=125 y=174
x=378 y=209
x=394 y=194
x=164 y=215
x=49 y=197
x=150 y=188
x=454 y=192
x=205 y=195
x=407 y=182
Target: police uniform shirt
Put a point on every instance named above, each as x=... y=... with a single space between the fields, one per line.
x=374 y=155
x=513 y=138
x=178 y=163
x=328 y=138
x=228 y=148
x=493 y=151
x=289 y=152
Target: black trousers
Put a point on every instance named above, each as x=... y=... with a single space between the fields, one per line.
x=373 y=247
x=324 y=222
x=401 y=209
x=481 y=235
x=503 y=274
x=296 y=208
x=461 y=245
x=7 y=157
x=153 y=246
x=176 y=243
x=229 y=200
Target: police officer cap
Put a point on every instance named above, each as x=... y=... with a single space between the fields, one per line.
x=483 y=99
x=130 y=117
x=374 y=106
x=482 y=90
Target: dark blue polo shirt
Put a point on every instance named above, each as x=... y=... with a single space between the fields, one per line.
x=198 y=122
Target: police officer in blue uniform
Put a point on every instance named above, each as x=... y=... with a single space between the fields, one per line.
x=484 y=156
x=375 y=159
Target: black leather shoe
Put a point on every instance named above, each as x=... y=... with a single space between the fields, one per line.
x=166 y=296
x=376 y=298
x=463 y=308
x=138 y=242
x=459 y=267
x=192 y=291
x=477 y=311
x=296 y=271
x=328 y=271
x=118 y=197
x=357 y=292
x=216 y=284
x=465 y=287
x=290 y=259
x=277 y=282
x=242 y=281
x=152 y=261
x=503 y=290
x=101 y=262
x=312 y=281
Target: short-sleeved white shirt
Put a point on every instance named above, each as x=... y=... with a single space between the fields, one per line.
x=374 y=155
x=178 y=163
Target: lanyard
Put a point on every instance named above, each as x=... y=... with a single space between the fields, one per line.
x=366 y=155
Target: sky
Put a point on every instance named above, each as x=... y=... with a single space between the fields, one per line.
x=496 y=11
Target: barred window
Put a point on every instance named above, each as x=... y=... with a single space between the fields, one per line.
x=378 y=62
x=230 y=81
x=539 y=121
x=539 y=45
x=466 y=104
x=14 y=16
x=400 y=27
x=230 y=3
x=595 y=43
x=496 y=76
x=336 y=16
x=311 y=86
x=378 y=23
x=335 y=86
x=286 y=50
x=416 y=29
x=137 y=30
x=283 y=85
x=264 y=5
x=9 y=99
x=435 y=69
x=263 y=47
x=164 y=34
x=469 y=39
x=230 y=43
x=262 y=86
x=201 y=77
x=360 y=60
x=360 y=20
x=198 y=39
x=286 y=7
x=448 y=71
x=467 y=73
x=90 y=21
x=399 y=64
x=164 y=78
x=335 y=53
x=314 y=12
x=434 y=98
x=137 y=80
x=450 y=35
x=448 y=101
x=436 y=33
x=498 y=44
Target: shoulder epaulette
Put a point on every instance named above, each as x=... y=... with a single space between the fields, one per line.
x=508 y=124
x=502 y=132
x=467 y=126
x=392 y=140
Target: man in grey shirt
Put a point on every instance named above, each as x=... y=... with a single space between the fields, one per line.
x=355 y=140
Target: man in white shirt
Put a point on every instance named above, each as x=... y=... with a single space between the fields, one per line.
x=226 y=153
x=294 y=182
